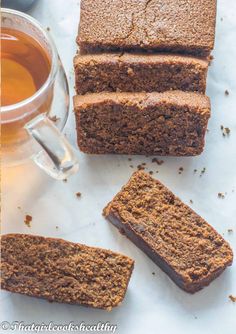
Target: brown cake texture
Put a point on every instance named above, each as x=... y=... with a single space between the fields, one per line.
x=139 y=72
x=186 y=26
x=177 y=239
x=63 y=271
x=170 y=123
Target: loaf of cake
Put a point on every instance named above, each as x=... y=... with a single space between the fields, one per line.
x=139 y=72
x=178 y=240
x=186 y=26
x=63 y=271
x=170 y=123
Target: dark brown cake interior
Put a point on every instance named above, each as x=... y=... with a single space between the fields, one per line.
x=63 y=271
x=139 y=72
x=186 y=246
x=170 y=123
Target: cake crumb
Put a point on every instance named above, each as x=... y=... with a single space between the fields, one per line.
x=64 y=180
x=153 y=273
x=195 y=170
x=131 y=166
x=78 y=194
x=203 y=171
x=159 y=162
x=48 y=28
x=130 y=159
x=191 y=201
x=226 y=92
x=232 y=298
x=230 y=230
x=151 y=172
x=28 y=220
x=57 y=227
x=54 y=118
x=225 y=131
x=181 y=169
x=19 y=208
x=221 y=195
x=140 y=167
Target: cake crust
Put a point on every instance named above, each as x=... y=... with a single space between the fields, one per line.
x=178 y=240
x=187 y=27
x=170 y=123
x=63 y=271
x=125 y=72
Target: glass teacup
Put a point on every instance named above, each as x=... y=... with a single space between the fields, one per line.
x=32 y=128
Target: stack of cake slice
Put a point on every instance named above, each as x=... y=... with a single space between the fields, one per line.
x=140 y=76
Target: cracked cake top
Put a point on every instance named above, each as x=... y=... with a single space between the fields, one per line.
x=186 y=26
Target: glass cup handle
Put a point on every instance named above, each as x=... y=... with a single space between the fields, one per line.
x=57 y=157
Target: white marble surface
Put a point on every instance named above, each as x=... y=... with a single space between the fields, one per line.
x=153 y=304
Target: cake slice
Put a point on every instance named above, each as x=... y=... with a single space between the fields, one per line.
x=187 y=27
x=95 y=73
x=178 y=240
x=170 y=123
x=63 y=271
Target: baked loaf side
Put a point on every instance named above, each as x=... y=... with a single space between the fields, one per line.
x=178 y=240
x=139 y=72
x=170 y=123
x=187 y=27
x=62 y=271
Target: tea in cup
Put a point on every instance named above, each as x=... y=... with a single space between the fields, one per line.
x=34 y=97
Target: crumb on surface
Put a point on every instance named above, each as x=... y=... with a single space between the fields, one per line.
x=203 y=171
x=140 y=167
x=130 y=159
x=232 y=298
x=64 y=180
x=226 y=92
x=195 y=170
x=150 y=172
x=159 y=162
x=57 y=227
x=78 y=194
x=211 y=58
x=131 y=166
x=19 y=208
x=230 y=230
x=153 y=273
x=191 y=201
x=221 y=195
x=28 y=220
x=181 y=169
x=225 y=131
x=54 y=118
x=48 y=28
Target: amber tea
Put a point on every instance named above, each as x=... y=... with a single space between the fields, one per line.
x=25 y=66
